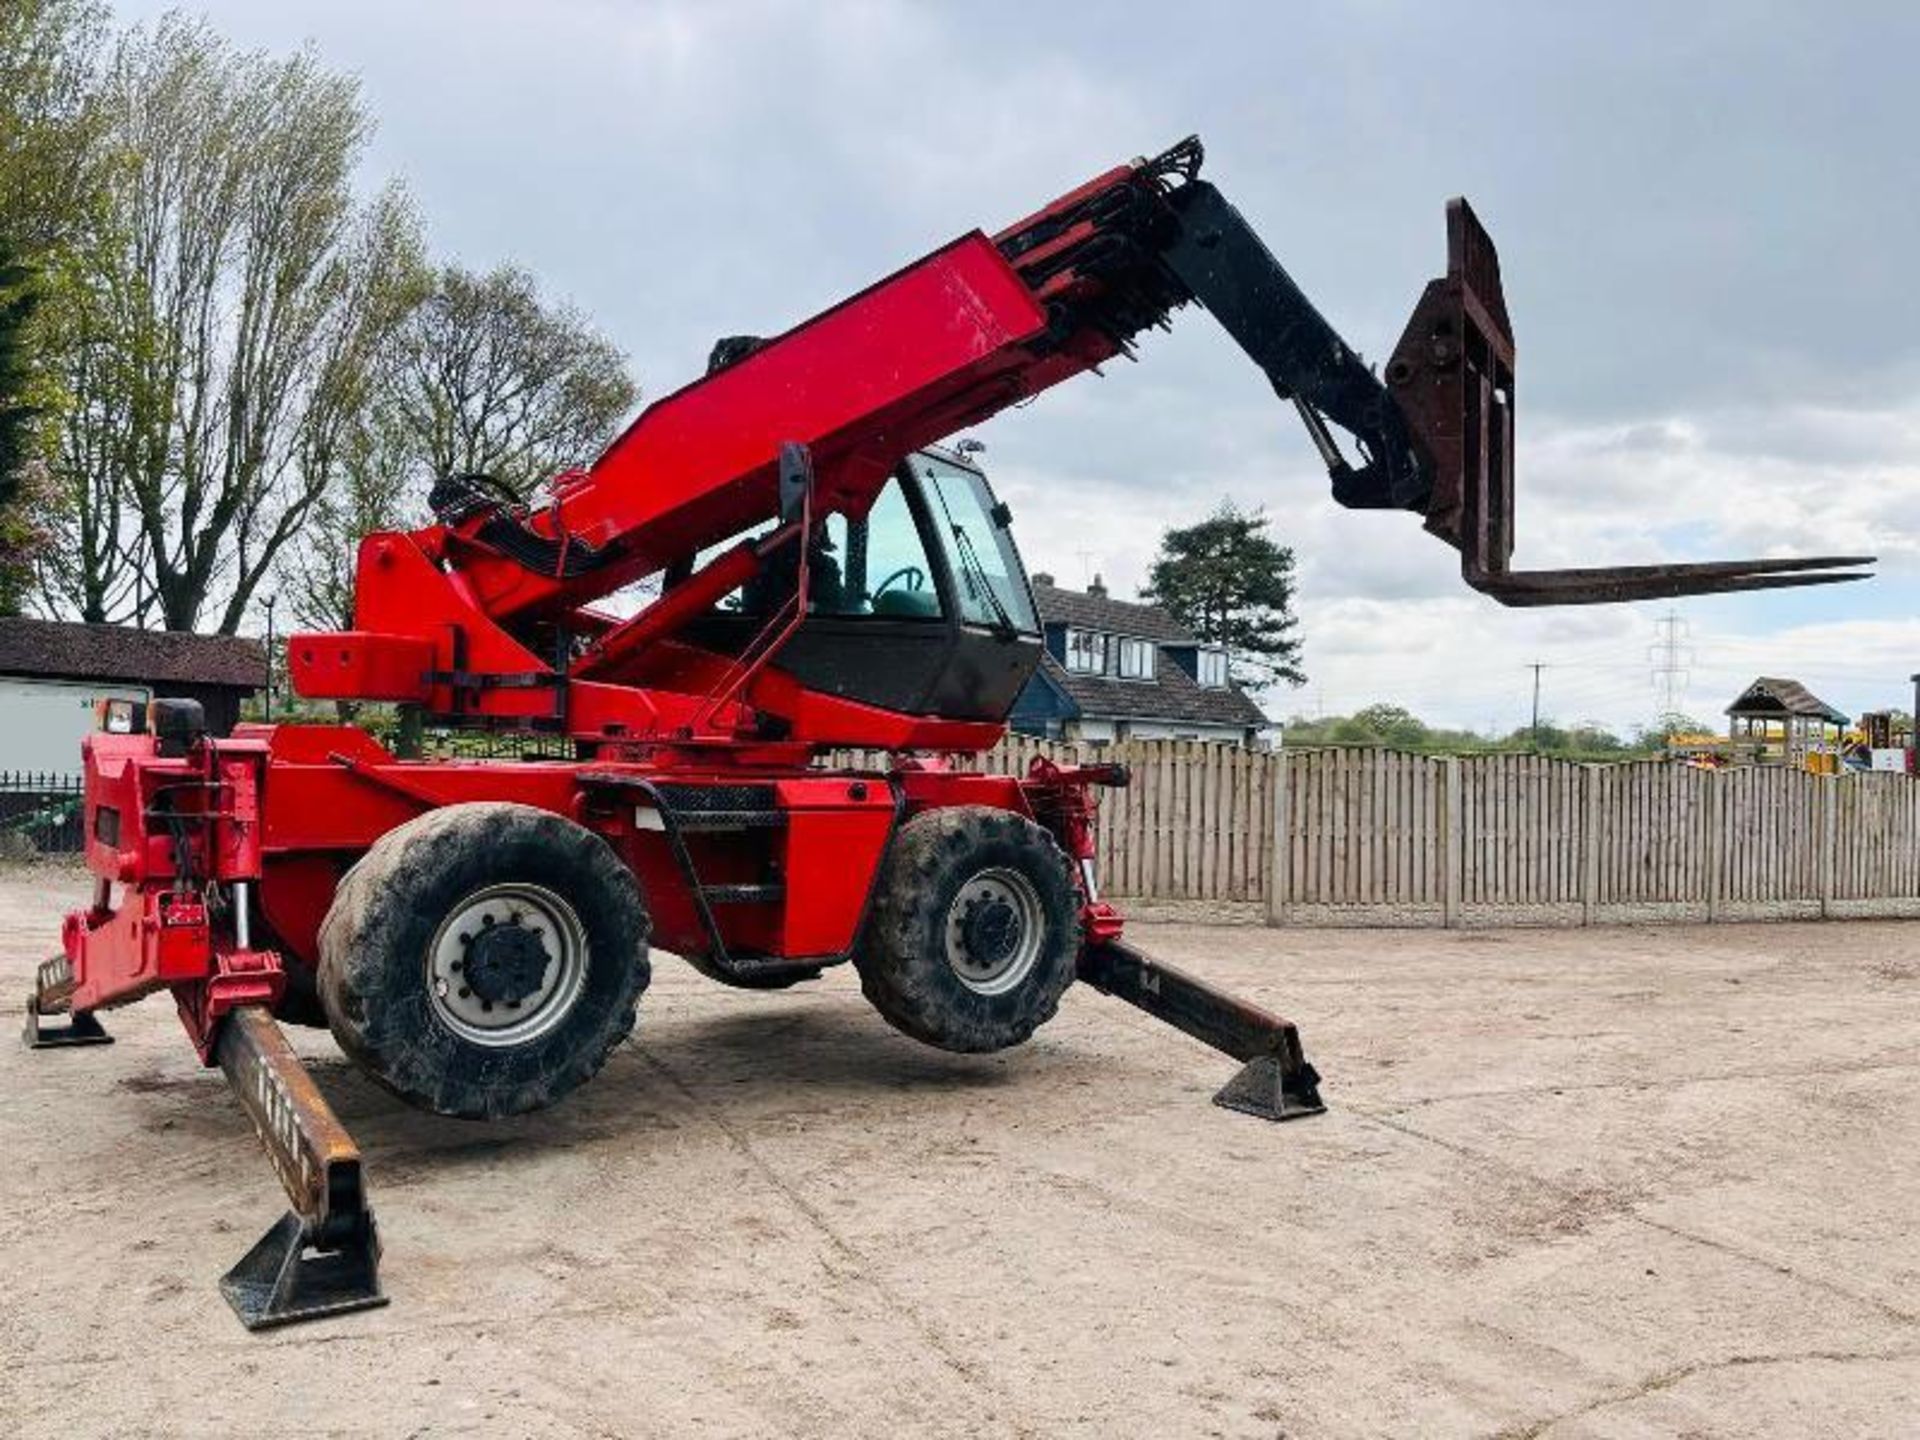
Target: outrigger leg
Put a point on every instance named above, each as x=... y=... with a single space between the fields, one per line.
x=1277 y=1082
x=323 y=1256
x=53 y=987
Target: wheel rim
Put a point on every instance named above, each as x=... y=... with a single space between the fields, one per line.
x=507 y=965
x=995 y=930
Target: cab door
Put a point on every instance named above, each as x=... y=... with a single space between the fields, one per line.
x=918 y=606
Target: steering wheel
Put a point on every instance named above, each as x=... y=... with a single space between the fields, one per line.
x=912 y=577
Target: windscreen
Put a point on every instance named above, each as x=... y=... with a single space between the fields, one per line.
x=988 y=576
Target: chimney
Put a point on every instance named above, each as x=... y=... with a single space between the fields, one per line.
x=1041 y=577
x=1097 y=589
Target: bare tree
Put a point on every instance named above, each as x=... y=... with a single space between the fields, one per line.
x=91 y=566
x=46 y=168
x=484 y=376
x=492 y=379
x=233 y=301
x=379 y=487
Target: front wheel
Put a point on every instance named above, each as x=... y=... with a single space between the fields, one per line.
x=975 y=929
x=484 y=959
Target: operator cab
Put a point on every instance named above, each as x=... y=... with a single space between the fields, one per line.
x=921 y=605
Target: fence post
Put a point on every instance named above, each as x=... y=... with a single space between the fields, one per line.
x=1452 y=842
x=1279 y=868
x=1589 y=843
x=1716 y=845
x=1829 y=834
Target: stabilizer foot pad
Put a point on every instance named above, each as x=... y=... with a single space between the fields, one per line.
x=279 y=1282
x=1262 y=1087
x=81 y=1028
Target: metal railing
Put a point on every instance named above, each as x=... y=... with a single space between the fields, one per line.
x=40 y=814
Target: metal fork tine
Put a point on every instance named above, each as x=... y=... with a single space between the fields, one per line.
x=1599 y=587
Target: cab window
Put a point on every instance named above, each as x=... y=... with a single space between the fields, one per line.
x=987 y=575
x=880 y=564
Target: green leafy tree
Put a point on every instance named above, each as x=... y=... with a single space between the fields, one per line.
x=1392 y=725
x=1396 y=727
x=1231 y=584
x=18 y=415
x=230 y=301
x=47 y=167
x=19 y=427
x=48 y=152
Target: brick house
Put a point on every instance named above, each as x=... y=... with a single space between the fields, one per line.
x=1119 y=670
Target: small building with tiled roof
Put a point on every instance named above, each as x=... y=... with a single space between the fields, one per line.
x=52 y=672
x=1119 y=670
x=1782 y=720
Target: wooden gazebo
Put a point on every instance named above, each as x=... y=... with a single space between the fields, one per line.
x=1786 y=723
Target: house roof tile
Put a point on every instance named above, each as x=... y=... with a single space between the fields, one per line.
x=58 y=650
x=1174 y=696
x=1117 y=617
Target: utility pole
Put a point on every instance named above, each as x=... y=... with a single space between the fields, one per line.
x=270 y=603
x=1537 y=666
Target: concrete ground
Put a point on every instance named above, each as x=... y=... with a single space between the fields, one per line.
x=1614 y=1182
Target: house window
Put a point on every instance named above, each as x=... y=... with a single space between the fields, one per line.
x=1213 y=669
x=1086 y=652
x=1136 y=659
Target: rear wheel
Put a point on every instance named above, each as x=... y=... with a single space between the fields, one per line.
x=484 y=959
x=975 y=929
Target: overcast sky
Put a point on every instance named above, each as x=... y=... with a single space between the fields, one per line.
x=1707 y=215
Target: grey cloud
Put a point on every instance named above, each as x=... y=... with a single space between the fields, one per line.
x=1706 y=217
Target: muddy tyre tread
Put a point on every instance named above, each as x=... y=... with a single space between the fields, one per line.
x=901 y=958
x=370 y=975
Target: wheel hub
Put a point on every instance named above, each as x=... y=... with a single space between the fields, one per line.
x=995 y=931
x=505 y=963
x=991 y=930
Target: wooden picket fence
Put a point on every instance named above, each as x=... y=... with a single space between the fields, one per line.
x=1380 y=837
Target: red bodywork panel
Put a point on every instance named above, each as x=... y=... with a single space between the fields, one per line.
x=449 y=618
x=285 y=810
x=172 y=833
x=896 y=367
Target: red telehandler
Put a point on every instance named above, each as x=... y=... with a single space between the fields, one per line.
x=474 y=932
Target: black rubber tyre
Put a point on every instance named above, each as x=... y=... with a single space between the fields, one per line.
x=925 y=902
x=300 y=998
x=300 y=1001
x=380 y=940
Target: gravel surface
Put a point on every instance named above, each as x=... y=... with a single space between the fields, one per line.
x=1627 y=1182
